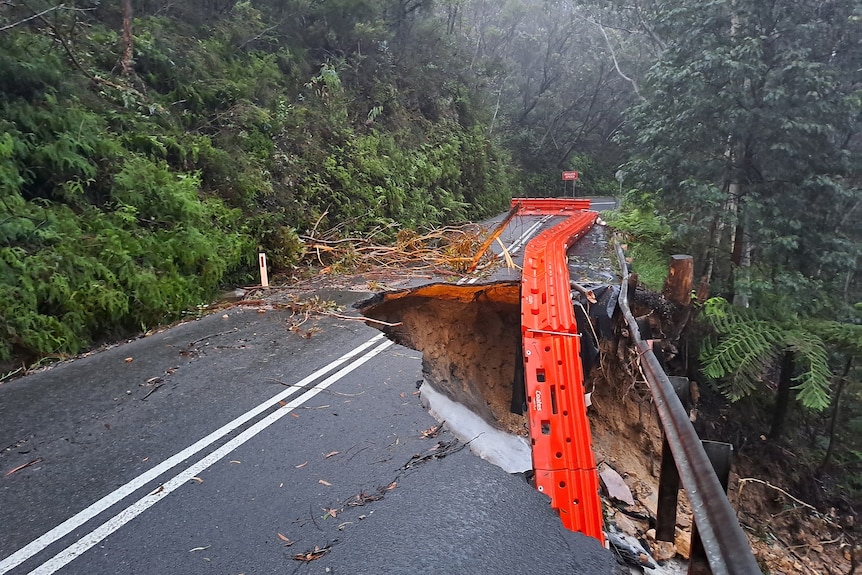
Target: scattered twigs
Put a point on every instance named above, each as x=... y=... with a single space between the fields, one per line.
x=434 y=431
x=152 y=391
x=197 y=341
x=365 y=319
x=20 y=467
x=830 y=542
x=439 y=451
x=792 y=550
x=745 y=480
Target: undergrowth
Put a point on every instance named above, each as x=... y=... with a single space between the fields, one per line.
x=127 y=200
x=648 y=236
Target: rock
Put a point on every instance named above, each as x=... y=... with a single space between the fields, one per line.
x=625 y=524
x=683 y=521
x=650 y=501
x=661 y=550
x=682 y=541
x=615 y=487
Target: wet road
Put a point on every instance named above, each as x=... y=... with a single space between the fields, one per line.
x=231 y=445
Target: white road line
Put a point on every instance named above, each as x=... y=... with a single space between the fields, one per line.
x=88 y=541
x=525 y=237
x=513 y=248
x=37 y=545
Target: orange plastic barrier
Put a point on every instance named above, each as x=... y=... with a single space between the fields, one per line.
x=546 y=206
x=563 y=459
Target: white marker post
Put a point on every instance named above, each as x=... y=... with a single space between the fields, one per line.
x=264 y=279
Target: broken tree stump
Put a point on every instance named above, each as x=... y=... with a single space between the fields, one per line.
x=680 y=279
x=677 y=290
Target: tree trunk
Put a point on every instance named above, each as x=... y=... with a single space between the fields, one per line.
x=742 y=271
x=733 y=222
x=782 y=399
x=836 y=411
x=126 y=60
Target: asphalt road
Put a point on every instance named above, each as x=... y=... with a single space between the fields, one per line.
x=252 y=446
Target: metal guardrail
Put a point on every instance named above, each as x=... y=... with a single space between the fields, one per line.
x=727 y=548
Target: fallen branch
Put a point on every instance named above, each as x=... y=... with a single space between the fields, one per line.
x=33 y=17
x=20 y=467
x=451 y=247
x=493 y=236
x=365 y=319
x=745 y=480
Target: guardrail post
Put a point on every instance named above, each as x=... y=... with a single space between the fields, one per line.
x=720 y=456
x=668 y=480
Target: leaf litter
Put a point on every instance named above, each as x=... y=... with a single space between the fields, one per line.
x=285 y=539
x=316 y=553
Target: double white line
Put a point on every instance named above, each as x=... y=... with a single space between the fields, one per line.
x=515 y=246
x=67 y=555
x=525 y=237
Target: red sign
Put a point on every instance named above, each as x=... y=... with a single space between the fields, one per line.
x=570 y=176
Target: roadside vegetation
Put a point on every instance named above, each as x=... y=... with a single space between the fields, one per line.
x=745 y=152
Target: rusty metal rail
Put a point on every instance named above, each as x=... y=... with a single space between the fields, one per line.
x=727 y=548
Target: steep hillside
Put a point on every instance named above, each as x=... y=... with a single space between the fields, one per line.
x=147 y=156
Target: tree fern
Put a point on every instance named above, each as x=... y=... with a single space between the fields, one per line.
x=743 y=353
x=813 y=382
x=746 y=346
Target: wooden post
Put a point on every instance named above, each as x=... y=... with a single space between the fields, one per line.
x=264 y=278
x=680 y=279
x=677 y=289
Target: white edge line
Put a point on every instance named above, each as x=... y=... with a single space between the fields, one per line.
x=60 y=531
x=90 y=540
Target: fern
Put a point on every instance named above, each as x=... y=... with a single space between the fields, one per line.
x=813 y=382
x=745 y=346
x=742 y=355
x=846 y=337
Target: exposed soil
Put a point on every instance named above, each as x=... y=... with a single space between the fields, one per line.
x=788 y=536
x=469 y=337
